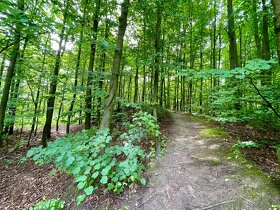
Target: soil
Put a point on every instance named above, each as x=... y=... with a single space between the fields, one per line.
x=195 y=173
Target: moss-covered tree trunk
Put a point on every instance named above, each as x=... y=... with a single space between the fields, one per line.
x=109 y=103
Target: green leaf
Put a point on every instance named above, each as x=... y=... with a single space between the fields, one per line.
x=104 y=180
x=81 y=178
x=105 y=171
x=95 y=174
x=30 y=153
x=80 y=199
x=23 y=20
x=70 y=160
x=110 y=186
x=81 y=185
x=89 y=190
x=143 y=181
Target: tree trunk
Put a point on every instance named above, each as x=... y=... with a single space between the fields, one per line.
x=157 y=58
x=276 y=11
x=54 y=81
x=2 y=68
x=109 y=103
x=88 y=98
x=136 y=85
x=233 y=56
x=15 y=94
x=256 y=29
x=10 y=72
x=103 y=65
x=77 y=69
x=265 y=44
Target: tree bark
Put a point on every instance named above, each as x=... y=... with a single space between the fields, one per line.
x=109 y=103
x=136 y=85
x=88 y=98
x=2 y=68
x=157 y=58
x=265 y=44
x=233 y=56
x=256 y=29
x=10 y=72
x=54 y=81
x=276 y=11
x=77 y=70
x=15 y=93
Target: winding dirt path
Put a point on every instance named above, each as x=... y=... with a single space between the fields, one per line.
x=195 y=174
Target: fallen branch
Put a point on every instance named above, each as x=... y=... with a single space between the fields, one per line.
x=266 y=101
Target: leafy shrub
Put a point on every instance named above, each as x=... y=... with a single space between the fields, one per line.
x=247 y=144
x=95 y=161
x=52 y=204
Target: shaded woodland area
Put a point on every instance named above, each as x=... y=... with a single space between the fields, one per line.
x=102 y=65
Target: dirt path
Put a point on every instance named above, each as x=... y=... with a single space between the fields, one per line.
x=195 y=174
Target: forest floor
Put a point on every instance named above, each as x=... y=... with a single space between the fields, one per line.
x=195 y=173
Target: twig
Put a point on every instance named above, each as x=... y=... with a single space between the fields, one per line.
x=263 y=97
x=146 y=200
x=246 y=199
x=217 y=204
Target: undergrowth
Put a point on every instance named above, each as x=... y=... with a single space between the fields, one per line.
x=97 y=159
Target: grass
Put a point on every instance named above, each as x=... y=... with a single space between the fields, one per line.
x=213 y=133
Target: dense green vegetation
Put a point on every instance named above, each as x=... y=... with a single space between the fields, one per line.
x=69 y=62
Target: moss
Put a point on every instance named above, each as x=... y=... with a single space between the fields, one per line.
x=199 y=119
x=212 y=161
x=214 y=133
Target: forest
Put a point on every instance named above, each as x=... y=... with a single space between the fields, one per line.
x=88 y=85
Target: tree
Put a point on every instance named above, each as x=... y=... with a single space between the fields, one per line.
x=233 y=56
x=109 y=103
x=157 y=56
x=276 y=11
x=88 y=98
x=11 y=68
x=54 y=80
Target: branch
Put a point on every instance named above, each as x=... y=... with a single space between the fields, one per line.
x=262 y=96
x=8 y=45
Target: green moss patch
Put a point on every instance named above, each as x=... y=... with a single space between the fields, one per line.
x=213 y=133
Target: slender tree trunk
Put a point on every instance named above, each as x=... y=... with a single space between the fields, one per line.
x=136 y=85
x=77 y=69
x=265 y=40
x=10 y=72
x=109 y=103
x=276 y=11
x=103 y=65
x=265 y=44
x=256 y=29
x=54 y=81
x=88 y=98
x=144 y=84
x=157 y=58
x=2 y=68
x=233 y=56
x=15 y=94
x=168 y=90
